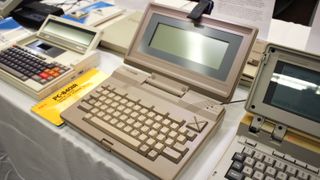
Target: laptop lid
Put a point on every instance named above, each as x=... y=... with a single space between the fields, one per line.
x=208 y=57
x=287 y=89
x=69 y=34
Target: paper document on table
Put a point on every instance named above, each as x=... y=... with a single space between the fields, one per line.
x=51 y=107
x=256 y=13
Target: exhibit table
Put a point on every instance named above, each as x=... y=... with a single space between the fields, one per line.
x=40 y=151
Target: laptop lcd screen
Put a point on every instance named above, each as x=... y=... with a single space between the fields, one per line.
x=69 y=32
x=296 y=90
x=189 y=45
x=201 y=49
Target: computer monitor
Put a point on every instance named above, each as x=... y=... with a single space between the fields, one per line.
x=6 y=6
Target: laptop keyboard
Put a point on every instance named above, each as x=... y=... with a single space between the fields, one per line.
x=24 y=65
x=256 y=165
x=142 y=127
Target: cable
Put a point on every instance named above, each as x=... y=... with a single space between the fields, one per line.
x=237 y=101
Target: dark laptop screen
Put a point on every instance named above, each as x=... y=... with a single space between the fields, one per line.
x=296 y=90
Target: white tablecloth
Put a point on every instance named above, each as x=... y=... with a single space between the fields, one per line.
x=41 y=151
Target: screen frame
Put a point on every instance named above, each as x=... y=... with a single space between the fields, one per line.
x=233 y=41
x=255 y=103
x=69 y=44
x=212 y=87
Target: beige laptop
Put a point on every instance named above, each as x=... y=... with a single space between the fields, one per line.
x=281 y=138
x=119 y=34
x=41 y=63
x=158 y=110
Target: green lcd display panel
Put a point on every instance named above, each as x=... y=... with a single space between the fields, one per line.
x=72 y=33
x=189 y=45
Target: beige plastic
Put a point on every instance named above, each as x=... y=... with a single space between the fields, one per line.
x=214 y=88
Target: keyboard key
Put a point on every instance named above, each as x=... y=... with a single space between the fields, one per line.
x=270 y=171
x=161 y=138
x=269 y=178
x=258 y=156
x=85 y=107
x=249 y=161
x=191 y=136
x=281 y=176
x=251 y=142
x=289 y=158
x=247 y=171
x=159 y=147
x=171 y=154
x=278 y=154
x=182 y=139
x=134 y=133
x=180 y=148
x=259 y=166
x=151 y=142
x=248 y=151
x=303 y=175
x=257 y=175
x=144 y=149
x=312 y=168
x=143 y=137
x=279 y=165
x=152 y=155
x=169 y=142
x=314 y=178
x=301 y=164
x=234 y=175
x=173 y=134
x=115 y=133
x=183 y=131
x=238 y=157
x=291 y=170
x=292 y=178
x=237 y=166
x=269 y=160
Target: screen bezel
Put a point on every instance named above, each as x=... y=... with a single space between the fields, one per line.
x=221 y=90
x=233 y=41
x=260 y=86
x=56 y=39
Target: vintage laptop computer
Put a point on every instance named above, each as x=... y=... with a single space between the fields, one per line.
x=280 y=139
x=41 y=63
x=158 y=112
x=6 y=6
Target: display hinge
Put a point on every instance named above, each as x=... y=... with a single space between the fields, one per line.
x=256 y=123
x=167 y=85
x=279 y=132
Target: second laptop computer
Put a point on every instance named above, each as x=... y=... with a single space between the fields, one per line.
x=159 y=112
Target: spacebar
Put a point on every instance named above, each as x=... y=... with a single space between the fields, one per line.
x=115 y=133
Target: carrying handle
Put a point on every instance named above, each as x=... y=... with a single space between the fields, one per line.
x=203 y=7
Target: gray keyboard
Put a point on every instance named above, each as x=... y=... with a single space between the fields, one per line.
x=257 y=165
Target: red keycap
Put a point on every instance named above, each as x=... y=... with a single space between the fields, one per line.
x=44 y=75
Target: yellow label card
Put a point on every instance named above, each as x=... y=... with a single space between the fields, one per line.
x=51 y=107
